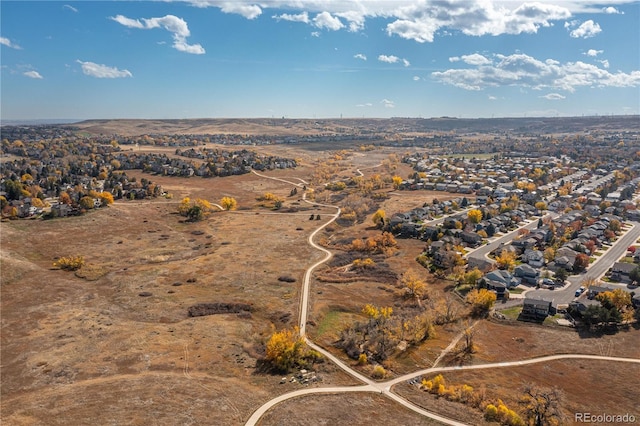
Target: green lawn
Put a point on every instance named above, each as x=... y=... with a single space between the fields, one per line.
x=512 y=313
x=516 y=290
x=329 y=322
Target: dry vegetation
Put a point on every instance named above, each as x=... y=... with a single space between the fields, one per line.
x=167 y=319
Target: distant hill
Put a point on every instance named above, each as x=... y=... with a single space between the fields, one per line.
x=285 y=126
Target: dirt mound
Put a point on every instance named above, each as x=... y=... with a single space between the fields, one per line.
x=202 y=309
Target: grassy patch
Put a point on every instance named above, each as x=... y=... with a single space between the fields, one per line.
x=463 y=289
x=551 y=320
x=512 y=313
x=332 y=323
x=516 y=290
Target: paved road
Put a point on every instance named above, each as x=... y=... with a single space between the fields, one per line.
x=481 y=252
x=596 y=270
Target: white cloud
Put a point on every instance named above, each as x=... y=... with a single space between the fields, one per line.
x=33 y=74
x=390 y=59
x=315 y=34
x=521 y=70
x=368 y=104
x=249 y=11
x=103 y=71
x=416 y=78
x=326 y=20
x=593 y=52
x=6 y=42
x=71 y=8
x=422 y=20
x=301 y=17
x=553 y=96
x=176 y=26
x=474 y=59
x=360 y=56
x=605 y=63
x=612 y=11
x=418 y=20
x=387 y=103
x=492 y=98
x=586 y=30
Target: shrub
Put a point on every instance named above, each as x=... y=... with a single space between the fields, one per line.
x=69 y=263
x=491 y=413
x=362 y=359
x=378 y=372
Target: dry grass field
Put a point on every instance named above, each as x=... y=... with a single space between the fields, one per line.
x=597 y=387
x=113 y=343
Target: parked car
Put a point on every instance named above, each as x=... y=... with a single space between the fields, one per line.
x=580 y=291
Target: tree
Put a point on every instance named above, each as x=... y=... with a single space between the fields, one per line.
x=541 y=205
x=228 y=203
x=635 y=274
x=588 y=282
x=474 y=215
x=397 y=181
x=86 y=202
x=414 y=286
x=618 y=302
x=195 y=210
x=285 y=350
x=379 y=218
x=506 y=260
x=106 y=198
x=542 y=406
x=561 y=275
x=467 y=340
x=581 y=262
x=482 y=301
x=549 y=254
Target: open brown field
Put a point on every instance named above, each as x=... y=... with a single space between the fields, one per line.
x=597 y=387
x=114 y=343
x=350 y=409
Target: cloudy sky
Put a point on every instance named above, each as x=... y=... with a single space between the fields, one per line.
x=319 y=58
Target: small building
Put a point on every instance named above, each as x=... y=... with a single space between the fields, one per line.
x=621 y=271
x=527 y=274
x=536 y=309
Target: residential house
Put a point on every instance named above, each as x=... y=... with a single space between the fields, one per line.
x=536 y=309
x=620 y=271
x=471 y=238
x=527 y=274
x=534 y=258
x=497 y=279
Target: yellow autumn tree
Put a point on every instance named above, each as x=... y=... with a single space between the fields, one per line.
x=285 y=349
x=506 y=260
x=481 y=301
x=474 y=215
x=378 y=218
x=229 y=203
x=414 y=286
x=397 y=181
x=106 y=198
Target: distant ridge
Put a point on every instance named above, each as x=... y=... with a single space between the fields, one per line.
x=35 y=122
x=308 y=126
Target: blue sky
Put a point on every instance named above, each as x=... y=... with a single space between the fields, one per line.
x=315 y=58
